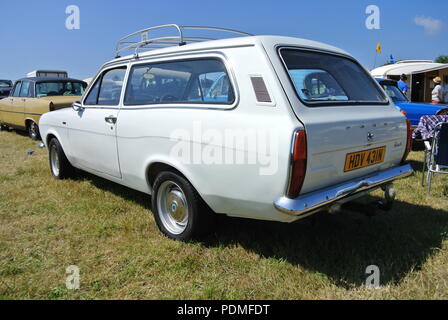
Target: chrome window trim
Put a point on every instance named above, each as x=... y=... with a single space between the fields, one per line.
x=278 y=49
x=95 y=79
x=182 y=57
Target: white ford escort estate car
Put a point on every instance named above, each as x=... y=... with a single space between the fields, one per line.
x=263 y=127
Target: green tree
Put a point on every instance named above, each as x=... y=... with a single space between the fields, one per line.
x=442 y=59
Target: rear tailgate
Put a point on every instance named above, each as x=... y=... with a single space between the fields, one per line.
x=338 y=135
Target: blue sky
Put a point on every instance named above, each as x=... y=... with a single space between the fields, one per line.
x=33 y=33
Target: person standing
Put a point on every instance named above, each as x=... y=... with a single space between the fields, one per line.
x=402 y=85
x=437 y=93
x=445 y=89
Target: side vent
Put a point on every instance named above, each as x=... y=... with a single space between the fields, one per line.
x=261 y=92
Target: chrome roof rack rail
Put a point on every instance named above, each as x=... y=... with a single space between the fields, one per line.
x=141 y=40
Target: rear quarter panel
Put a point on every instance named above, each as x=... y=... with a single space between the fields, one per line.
x=151 y=133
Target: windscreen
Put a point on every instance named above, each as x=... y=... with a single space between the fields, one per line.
x=5 y=84
x=60 y=88
x=394 y=93
x=325 y=79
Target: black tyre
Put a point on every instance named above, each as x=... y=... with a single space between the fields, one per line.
x=33 y=131
x=179 y=210
x=59 y=164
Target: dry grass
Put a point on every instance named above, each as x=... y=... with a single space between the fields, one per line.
x=109 y=232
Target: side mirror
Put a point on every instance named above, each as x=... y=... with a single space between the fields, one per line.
x=77 y=106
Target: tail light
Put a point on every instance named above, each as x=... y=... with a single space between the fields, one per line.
x=298 y=165
x=408 y=141
x=404 y=112
x=51 y=106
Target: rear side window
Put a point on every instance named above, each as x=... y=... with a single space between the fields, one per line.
x=107 y=89
x=189 y=81
x=325 y=79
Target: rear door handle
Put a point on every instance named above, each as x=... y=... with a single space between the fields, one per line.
x=111 y=119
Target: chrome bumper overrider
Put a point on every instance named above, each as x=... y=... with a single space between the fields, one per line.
x=316 y=200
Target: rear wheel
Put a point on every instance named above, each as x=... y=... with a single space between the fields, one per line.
x=33 y=131
x=59 y=164
x=179 y=211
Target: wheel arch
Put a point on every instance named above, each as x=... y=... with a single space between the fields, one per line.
x=28 y=120
x=156 y=166
x=50 y=134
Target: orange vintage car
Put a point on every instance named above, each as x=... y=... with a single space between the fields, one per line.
x=32 y=97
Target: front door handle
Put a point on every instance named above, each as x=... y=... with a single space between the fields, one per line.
x=111 y=119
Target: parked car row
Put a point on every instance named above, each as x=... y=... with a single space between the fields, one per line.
x=120 y=126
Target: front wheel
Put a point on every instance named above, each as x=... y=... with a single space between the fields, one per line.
x=179 y=211
x=59 y=164
x=33 y=131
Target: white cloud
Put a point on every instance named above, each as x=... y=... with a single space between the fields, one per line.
x=431 y=25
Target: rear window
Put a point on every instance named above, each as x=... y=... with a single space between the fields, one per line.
x=325 y=79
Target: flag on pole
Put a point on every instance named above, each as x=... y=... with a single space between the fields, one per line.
x=378 y=47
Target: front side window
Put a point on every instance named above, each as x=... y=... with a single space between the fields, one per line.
x=325 y=79
x=60 y=88
x=394 y=93
x=25 y=90
x=190 y=81
x=16 y=92
x=107 y=89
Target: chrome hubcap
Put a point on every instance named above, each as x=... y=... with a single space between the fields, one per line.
x=33 y=130
x=172 y=207
x=54 y=158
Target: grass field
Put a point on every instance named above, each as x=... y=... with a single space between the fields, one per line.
x=108 y=232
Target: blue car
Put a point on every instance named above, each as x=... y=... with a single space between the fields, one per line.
x=413 y=110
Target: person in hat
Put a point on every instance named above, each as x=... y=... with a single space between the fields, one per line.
x=437 y=93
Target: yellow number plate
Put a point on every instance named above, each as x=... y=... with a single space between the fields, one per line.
x=362 y=159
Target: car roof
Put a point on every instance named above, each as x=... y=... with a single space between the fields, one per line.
x=46 y=79
x=235 y=42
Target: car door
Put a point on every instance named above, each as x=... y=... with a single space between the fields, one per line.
x=25 y=98
x=92 y=128
x=14 y=107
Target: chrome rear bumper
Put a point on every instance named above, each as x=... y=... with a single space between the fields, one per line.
x=322 y=198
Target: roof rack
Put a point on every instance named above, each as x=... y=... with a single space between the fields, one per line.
x=140 y=39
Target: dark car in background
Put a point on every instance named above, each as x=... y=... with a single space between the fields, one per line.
x=413 y=110
x=5 y=88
